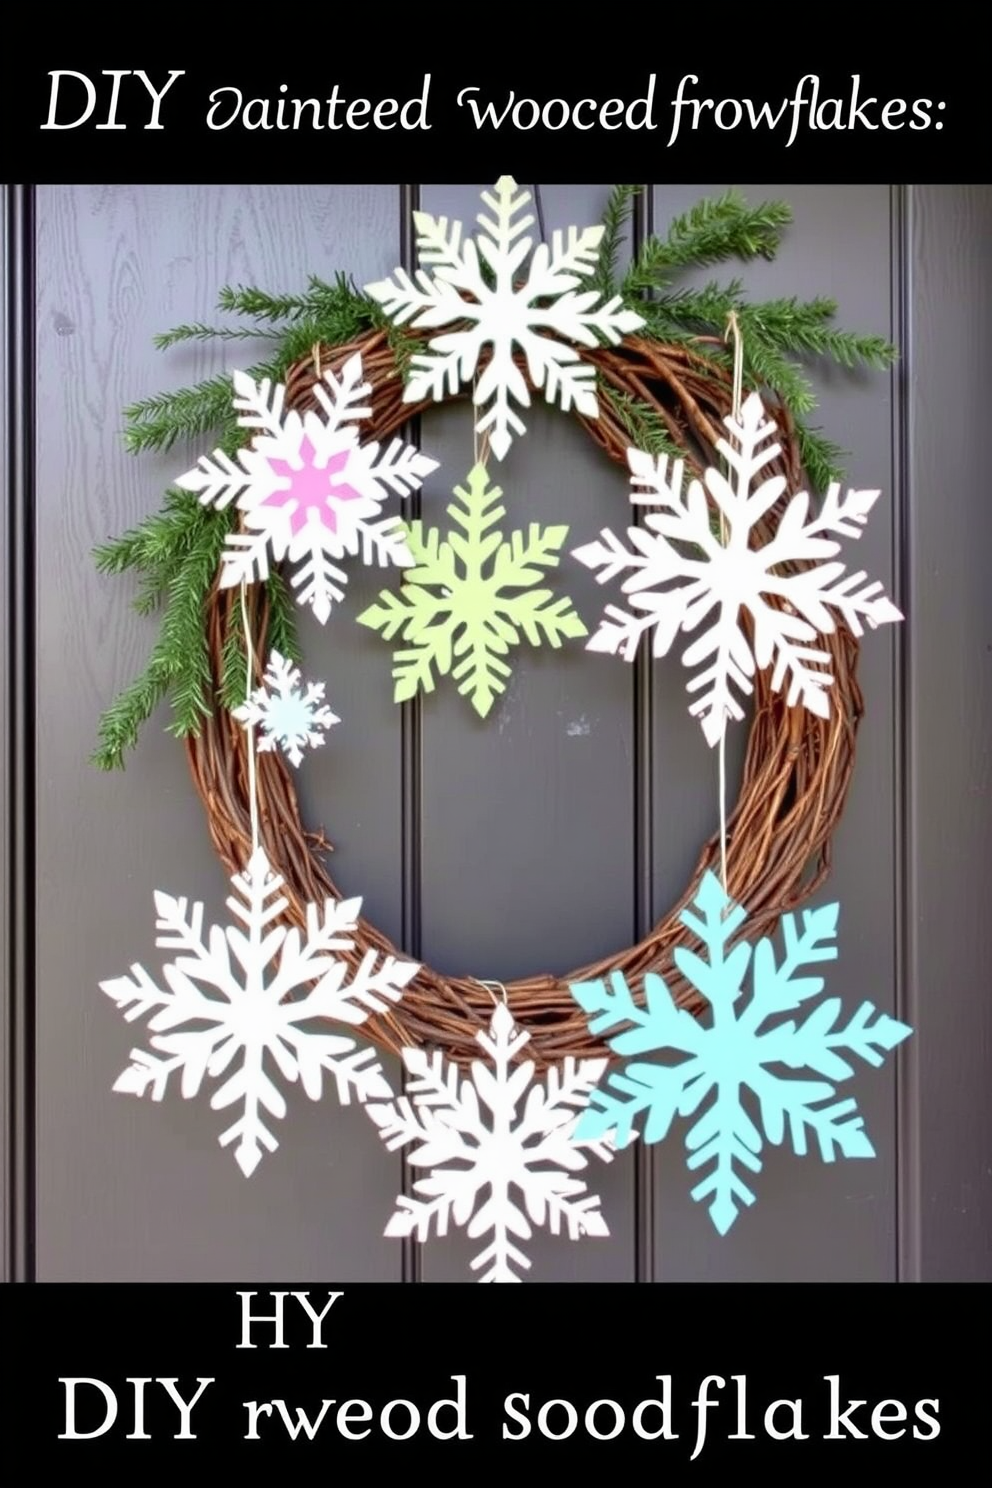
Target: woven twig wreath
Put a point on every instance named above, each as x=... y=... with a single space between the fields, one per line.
x=796 y=774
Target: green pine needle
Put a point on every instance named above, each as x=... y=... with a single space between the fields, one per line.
x=711 y=232
x=647 y=430
x=282 y=619
x=618 y=212
x=234 y=667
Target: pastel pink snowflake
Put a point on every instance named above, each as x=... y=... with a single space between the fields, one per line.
x=308 y=490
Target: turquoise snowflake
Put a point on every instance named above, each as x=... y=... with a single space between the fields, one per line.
x=737 y=1047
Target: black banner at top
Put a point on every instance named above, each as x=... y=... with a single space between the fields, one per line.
x=283 y=115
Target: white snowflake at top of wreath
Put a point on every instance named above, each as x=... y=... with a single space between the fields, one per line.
x=309 y=491
x=542 y=315
x=682 y=575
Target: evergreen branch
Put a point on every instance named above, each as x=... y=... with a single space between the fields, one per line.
x=702 y=310
x=710 y=232
x=798 y=326
x=321 y=299
x=618 y=212
x=234 y=665
x=121 y=724
x=180 y=660
x=821 y=458
x=282 y=635
x=173 y=530
x=763 y=363
x=157 y=423
x=200 y=332
x=246 y=300
x=644 y=425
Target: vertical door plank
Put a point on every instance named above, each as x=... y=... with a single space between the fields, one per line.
x=811 y=1221
x=948 y=1106
x=128 y=1190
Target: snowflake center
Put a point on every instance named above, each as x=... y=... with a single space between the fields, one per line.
x=303 y=492
x=738 y=577
x=253 y=1023
x=289 y=716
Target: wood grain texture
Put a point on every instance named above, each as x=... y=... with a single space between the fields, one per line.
x=811 y=1221
x=128 y=1189
x=949 y=965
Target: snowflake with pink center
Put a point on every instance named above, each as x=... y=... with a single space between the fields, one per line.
x=309 y=492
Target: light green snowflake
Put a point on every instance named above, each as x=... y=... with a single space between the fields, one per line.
x=457 y=609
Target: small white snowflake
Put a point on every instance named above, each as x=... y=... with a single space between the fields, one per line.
x=477 y=1161
x=290 y=717
x=224 y=1008
x=308 y=490
x=672 y=591
x=503 y=314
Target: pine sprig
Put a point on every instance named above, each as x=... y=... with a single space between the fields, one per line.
x=711 y=232
x=619 y=210
x=197 y=331
x=159 y=422
x=645 y=428
x=180 y=663
x=176 y=552
x=282 y=619
x=233 y=690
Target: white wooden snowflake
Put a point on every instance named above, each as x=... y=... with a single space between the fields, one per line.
x=502 y=314
x=479 y=1162
x=223 y=1009
x=671 y=589
x=291 y=717
x=308 y=490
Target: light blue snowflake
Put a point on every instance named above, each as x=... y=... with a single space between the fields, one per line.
x=289 y=716
x=734 y=1049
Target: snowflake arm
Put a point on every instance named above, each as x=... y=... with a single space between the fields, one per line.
x=744 y=1045
x=544 y=315
x=671 y=592
x=468 y=599
x=252 y=1033
x=494 y=1169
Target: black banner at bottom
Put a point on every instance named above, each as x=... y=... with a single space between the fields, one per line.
x=693 y=1380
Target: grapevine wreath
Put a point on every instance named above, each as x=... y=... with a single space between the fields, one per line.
x=666 y=388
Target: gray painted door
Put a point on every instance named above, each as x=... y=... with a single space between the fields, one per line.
x=539 y=843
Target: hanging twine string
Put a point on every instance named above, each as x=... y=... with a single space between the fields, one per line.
x=490 y=986
x=480 y=447
x=250 y=728
x=733 y=330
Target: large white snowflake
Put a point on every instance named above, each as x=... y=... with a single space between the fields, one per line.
x=482 y=1150
x=308 y=490
x=223 y=1008
x=682 y=575
x=291 y=717
x=503 y=314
